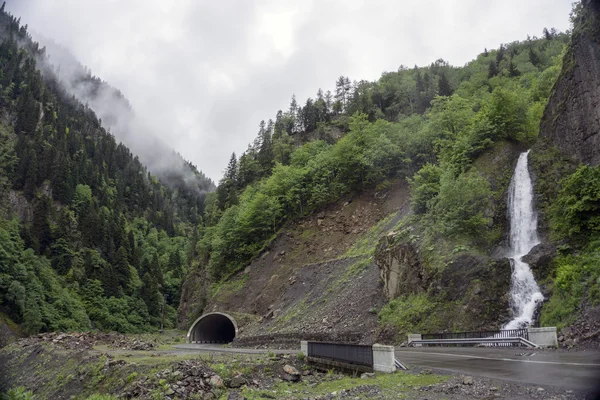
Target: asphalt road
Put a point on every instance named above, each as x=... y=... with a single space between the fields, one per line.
x=215 y=348
x=568 y=370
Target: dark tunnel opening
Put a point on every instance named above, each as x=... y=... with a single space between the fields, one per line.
x=213 y=328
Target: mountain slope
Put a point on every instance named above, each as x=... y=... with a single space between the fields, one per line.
x=454 y=133
x=89 y=237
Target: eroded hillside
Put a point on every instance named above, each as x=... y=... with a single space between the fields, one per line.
x=318 y=275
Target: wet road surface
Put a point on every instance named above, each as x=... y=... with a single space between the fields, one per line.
x=564 y=369
x=569 y=370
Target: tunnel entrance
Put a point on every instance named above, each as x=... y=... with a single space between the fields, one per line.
x=213 y=327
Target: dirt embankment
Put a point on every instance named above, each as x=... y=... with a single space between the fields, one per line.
x=318 y=275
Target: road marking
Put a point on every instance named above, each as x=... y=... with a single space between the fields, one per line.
x=501 y=359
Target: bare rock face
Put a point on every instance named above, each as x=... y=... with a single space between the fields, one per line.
x=399 y=267
x=480 y=286
x=571 y=120
x=540 y=260
x=472 y=290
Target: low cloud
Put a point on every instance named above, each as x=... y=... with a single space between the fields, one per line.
x=201 y=75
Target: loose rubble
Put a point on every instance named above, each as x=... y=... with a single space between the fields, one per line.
x=87 y=340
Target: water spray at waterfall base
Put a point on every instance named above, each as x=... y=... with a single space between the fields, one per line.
x=525 y=295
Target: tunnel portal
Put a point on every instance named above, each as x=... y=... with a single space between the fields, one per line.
x=213 y=327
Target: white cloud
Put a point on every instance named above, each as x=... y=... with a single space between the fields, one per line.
x=202 y=74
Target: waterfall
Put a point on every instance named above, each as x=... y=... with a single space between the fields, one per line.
x=525 y=294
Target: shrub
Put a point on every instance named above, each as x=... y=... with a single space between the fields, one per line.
x=407 y=313
x=18 y=393
x=576 y=211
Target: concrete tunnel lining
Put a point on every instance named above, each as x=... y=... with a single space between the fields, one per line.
x=213 y=327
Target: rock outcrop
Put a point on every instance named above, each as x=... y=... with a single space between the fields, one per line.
x=399 y=267
x=479 y=286
x=540 y=260
x=471 y=292
x=571 y=120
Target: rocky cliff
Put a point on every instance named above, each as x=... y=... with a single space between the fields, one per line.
x=469 y=293
x=571 y=120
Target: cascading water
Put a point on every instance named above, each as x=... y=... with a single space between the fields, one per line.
x=525 y=294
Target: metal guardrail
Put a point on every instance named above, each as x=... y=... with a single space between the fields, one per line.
x=399 y=364
x=348 y=353
x=504 y=333
x=492 y=341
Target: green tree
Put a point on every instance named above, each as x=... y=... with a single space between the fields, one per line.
x=460 y=207
x=492 y=69
x=425 y=186
x=444 y=88
x=576 y=211
x=121 y=269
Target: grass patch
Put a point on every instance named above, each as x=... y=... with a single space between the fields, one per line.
x=576 y=280
x=228 y=287
x=408 y=313
x=390 y=386
x=354 y=270
x=300 y=308
x=18 y=393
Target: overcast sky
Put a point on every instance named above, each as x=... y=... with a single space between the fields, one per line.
x=204 y=73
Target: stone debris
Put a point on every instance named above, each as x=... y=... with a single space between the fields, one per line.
x=185 y=379
x=87 y=340
x=290 y=374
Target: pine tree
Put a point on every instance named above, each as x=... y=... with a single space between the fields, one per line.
x=121 y=268
x=31 y=178
x=150 y=294
x=512 y=69
x=534 y=58
x=492 y=70
x=500 y=54
x=444 y=88
x=328 y=100
x=265 y=150
x=175 y=263
x=156 y=271
x=232 y=169
x=340 y=92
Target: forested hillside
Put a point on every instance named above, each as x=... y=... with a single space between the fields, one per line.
x=91 y=239
x=88 y=237
x=427 y=124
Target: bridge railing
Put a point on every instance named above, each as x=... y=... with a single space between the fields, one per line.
x=504 y=333
x=348 y=353
x=355 y=357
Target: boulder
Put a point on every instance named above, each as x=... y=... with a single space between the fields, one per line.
x=237 y=381
x=290 y=374
x=233 y=395
x=540 y=259
x=216 y=381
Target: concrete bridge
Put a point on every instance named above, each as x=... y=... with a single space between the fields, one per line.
x=213 y=327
